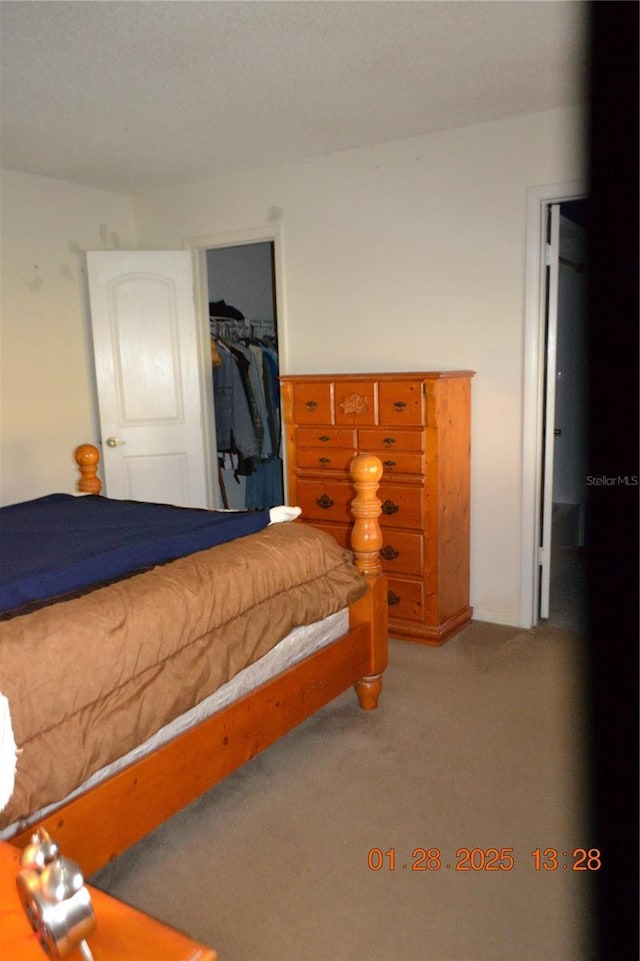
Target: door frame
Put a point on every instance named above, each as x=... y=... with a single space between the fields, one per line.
x=198 y=247
x=539 y=199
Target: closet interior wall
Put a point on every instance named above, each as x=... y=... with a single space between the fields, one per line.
x=244 y=356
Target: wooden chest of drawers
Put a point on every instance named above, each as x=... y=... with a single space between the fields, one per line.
x=419 y=426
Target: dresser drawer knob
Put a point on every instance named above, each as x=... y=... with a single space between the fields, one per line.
x=324 y=438
x=389 y=553
x=324 y=460
x=389 y=441
x=399 y=405
x=393 y=598
x=389 y=463
x=324 y=502
x=390 y=508
x=312 y=404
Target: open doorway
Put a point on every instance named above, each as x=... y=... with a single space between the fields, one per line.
x=564 y=520
x=243 y=327
x=537 y=425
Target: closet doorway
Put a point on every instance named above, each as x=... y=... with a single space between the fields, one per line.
x=243 y=329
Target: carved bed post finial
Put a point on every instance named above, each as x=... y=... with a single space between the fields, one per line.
x=366 y=537
x=87 y=458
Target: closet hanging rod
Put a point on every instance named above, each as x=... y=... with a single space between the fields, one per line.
x=232 y=326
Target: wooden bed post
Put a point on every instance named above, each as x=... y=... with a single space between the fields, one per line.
x=87 y=458
x=366 y=541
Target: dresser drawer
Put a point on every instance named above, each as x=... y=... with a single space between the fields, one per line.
x=401 y=506
x=355 y=402
x=324 y=458
x=401 y=462
x=402 y=553
x=325 y=500
x=383 y=439
x=400 y=402
x=312 y=403
x=325 y=437
x=405 y=600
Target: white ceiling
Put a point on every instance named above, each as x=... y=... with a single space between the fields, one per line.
x=131 y=95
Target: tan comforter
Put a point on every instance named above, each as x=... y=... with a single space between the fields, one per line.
x=89 y=679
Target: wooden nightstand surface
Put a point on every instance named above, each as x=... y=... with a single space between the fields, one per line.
x=122 y=933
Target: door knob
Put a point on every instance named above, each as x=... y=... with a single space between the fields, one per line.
x=114 y=442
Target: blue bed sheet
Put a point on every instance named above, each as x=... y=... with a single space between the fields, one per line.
x=59 y=544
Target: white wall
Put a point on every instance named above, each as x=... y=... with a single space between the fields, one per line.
x=46 y=377
x=408 y=256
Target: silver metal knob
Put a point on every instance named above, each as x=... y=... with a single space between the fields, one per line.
x=114 y=442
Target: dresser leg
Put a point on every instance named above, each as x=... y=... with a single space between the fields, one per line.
x=368 y=691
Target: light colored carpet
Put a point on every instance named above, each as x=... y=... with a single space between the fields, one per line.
x=478 y=744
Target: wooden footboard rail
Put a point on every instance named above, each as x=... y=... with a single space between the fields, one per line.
x=107 y=819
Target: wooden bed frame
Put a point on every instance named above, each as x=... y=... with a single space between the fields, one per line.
x=100 y=824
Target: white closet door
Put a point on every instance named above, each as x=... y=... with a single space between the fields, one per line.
x=145 y=340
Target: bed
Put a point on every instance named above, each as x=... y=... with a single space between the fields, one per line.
x=131 y=698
